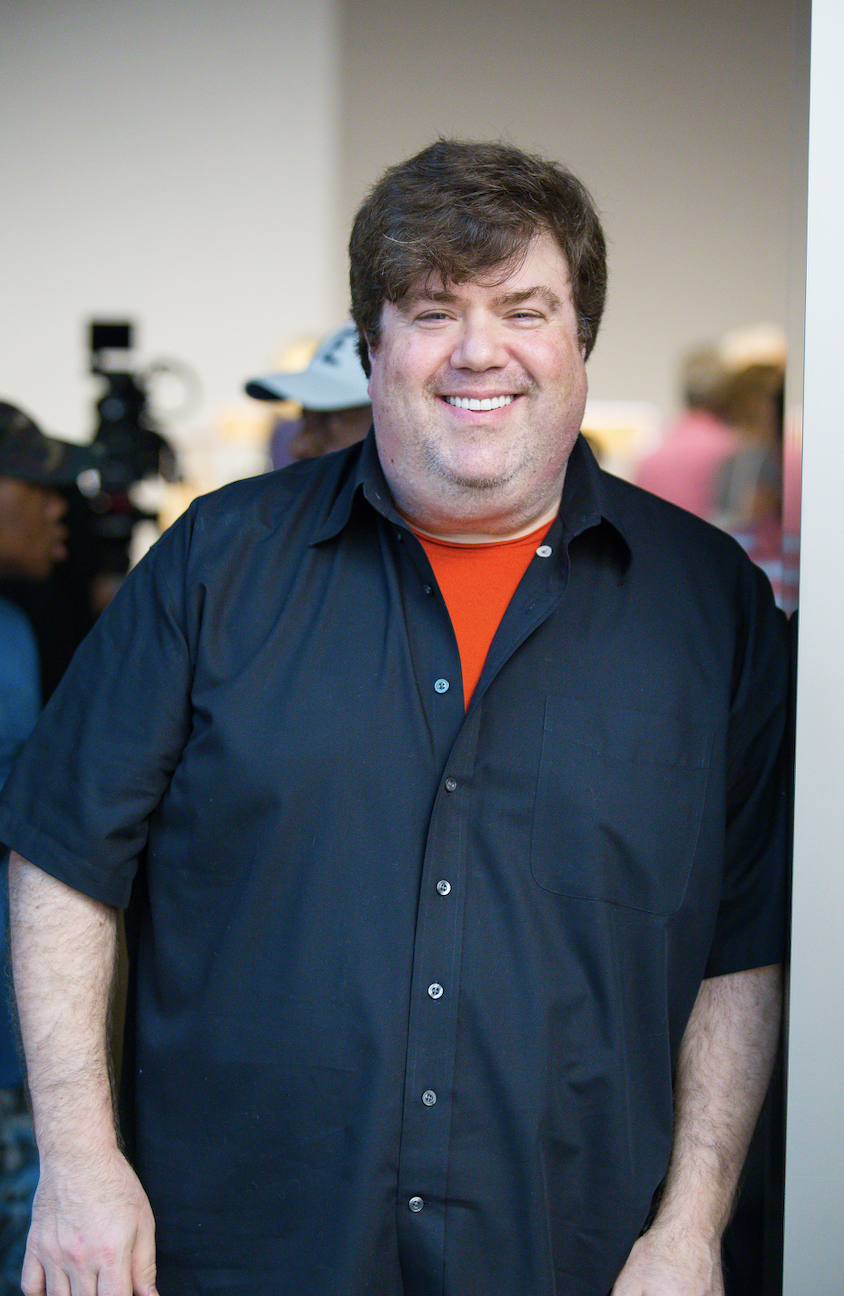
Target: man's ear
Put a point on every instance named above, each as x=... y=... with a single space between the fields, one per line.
x=365 y=353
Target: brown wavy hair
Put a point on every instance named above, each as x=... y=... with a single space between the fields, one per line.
x=459 y=210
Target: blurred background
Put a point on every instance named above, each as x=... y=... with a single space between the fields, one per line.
x=193 y=167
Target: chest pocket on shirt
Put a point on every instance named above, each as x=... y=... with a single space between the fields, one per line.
x=619 y=803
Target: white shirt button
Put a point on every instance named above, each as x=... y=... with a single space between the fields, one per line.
x=429 y=1097
x=451 y=785
x=441 y=686
x=435 y=991
x=544 y=551
x=416 y=1204
x=443 y=887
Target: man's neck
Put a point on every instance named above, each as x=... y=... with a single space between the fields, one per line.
x=474 y=533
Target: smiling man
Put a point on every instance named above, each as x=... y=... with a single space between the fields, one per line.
x=478 y=392
x=442 y=779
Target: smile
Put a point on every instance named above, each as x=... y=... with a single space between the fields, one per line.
x=472 y=402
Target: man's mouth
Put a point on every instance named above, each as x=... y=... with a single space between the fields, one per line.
x=474 y=403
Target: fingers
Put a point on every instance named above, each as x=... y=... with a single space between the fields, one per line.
x=123 y=1274
x=143 y=1268
x=143 y=1256
x=33 y=1278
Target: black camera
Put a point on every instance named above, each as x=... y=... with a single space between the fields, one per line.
x=127 y=444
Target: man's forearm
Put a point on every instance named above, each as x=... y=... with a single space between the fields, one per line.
x=63 y=957
x=723 y=1070
x=92 y=1227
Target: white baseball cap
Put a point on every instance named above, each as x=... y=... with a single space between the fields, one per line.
x=333 y=380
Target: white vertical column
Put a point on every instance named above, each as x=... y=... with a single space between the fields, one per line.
x=814 y=1207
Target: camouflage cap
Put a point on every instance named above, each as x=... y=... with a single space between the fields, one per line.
x=27 y=454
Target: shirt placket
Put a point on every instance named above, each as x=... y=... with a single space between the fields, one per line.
x=423 y=1176
x=432 y=1034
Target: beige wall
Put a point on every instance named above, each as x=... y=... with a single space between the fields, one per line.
x=194 y=165
x=169 y=160
x=677 y=116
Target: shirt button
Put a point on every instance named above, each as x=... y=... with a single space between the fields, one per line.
x=426 y=589
x=429 y=1097
x=544 y=551
x=441 y=686
x=435 y=990
x=443 y=887
x=416 y=1204
x=451 y=785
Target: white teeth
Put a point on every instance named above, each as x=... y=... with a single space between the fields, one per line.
x=472 y=402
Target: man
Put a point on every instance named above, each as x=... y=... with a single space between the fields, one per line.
x=32 y=541
x=33 y=535
x=443 y=774
x=333 y=393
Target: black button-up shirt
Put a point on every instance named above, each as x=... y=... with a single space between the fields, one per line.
x=410 y=982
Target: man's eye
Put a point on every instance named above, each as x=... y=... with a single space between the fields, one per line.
x=431 y=317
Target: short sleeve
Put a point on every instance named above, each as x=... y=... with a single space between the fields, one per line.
x=79 y=796
x=751 y=928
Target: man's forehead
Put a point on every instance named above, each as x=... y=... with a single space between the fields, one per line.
x=547 y=271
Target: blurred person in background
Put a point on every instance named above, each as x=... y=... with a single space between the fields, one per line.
x=685 y=468
x=33 y=539
x=332 y=391
x=722 y=458
x=748 y=489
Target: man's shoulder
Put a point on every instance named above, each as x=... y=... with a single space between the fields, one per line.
x=677 y=555
x=646 y=518
x=290 y=505
x=300 y=488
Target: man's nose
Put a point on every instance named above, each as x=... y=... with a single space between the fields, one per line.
x=479 y=344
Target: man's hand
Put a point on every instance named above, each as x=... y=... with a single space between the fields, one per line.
x=92 y=1231
x=662 y=1264
x=723 y=1069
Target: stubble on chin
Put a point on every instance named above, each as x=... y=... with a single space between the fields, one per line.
x=465 y=480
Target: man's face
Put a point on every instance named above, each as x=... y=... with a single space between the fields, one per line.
x=511 y=346
x=321 y=431
x=32 y=534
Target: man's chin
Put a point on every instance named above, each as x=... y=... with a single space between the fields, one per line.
x=479 y=476
x=482 y=484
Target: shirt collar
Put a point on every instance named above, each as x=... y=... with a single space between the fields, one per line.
x=586 y=502
x=365 y=477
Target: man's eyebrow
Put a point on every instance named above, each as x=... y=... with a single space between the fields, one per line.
x=416 y=295
x=442 y=296
x=550 y=298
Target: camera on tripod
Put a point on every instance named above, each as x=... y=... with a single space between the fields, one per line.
x=127 y=443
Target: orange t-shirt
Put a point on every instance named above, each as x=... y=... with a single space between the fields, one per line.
x=477 y=582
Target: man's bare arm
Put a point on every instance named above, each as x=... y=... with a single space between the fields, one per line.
x=92 y=1228
x=723 y=1070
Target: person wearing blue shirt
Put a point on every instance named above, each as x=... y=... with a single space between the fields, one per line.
x=32 y=541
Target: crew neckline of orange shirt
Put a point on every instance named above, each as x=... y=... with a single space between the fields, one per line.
x=477 y=581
